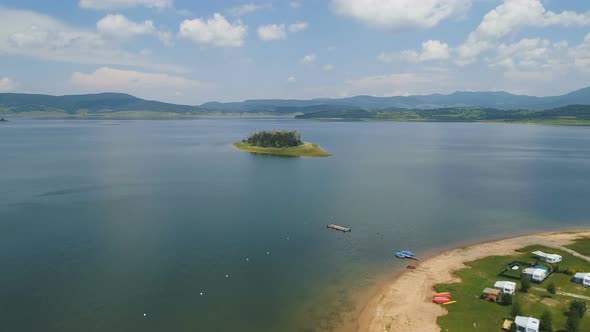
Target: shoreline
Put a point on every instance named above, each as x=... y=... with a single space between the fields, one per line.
x=385 y=311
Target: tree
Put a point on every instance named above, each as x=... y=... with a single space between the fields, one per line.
x=572 y=324
x=506 y=299
x=577 y=308
x=515 y=311
x=512 y=328
x=551 y=288
x=525 y=284
x=546 y=322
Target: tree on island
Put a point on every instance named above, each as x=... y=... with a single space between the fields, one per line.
x=275 y=139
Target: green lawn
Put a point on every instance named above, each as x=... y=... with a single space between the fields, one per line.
x=471 y=313
x=581 y=245
x=304 y=150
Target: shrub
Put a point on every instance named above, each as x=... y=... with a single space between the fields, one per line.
x=546 y=322
x=525 y=284
x=572 y=324
x=577 y=308
x=515 y=311
x=551 y=288
x=506 y=299
x=569 y=271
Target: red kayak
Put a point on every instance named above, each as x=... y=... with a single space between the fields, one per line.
x=441 y=300
x=412 y=267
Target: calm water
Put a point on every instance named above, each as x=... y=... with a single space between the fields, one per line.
x=103 y=221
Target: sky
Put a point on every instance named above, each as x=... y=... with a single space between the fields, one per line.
x=191 y=52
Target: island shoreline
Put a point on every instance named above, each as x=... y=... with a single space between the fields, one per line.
x=383 y=313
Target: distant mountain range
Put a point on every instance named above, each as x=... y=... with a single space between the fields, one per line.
x=105 y=103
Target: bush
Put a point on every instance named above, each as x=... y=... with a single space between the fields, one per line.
x=551 y=288
x=577 y=308
x=572 y=324
x=515 y=311
x=546 y=322
x=569 y=271
x=525 y=284
x=506 y=299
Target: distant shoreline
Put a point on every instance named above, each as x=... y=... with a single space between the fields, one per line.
x=386 y=311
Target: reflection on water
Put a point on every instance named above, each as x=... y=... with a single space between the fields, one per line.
x=100 y=224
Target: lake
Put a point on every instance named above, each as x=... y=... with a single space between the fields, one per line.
x=164 y=226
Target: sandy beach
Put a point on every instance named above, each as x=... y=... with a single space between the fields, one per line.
x=405 y=303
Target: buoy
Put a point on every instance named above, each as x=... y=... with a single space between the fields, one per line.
x=227 y=275
x=201 y=293
x=247 y=259
x=144 y=314
x=268 y=252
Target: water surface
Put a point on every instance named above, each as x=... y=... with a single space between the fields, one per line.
x=103 y=221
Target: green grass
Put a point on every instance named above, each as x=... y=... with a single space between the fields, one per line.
x=304 y=150
x=581 y=245
x=470 y=309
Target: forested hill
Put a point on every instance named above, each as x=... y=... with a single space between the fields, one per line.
x=102 y=102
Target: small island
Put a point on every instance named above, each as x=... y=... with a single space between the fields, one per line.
x=280 y=142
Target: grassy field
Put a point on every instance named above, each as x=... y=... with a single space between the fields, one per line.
x=582 y=246
x=304 y=150
x=471 y=313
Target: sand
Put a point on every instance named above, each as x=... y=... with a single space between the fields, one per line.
x=405 y=303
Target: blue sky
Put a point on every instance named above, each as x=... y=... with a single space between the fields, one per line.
x=196 y=51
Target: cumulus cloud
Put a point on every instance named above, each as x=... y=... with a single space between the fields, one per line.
x=310 y=58
x=431 y=50
x=109 y=79
x=537 y=59
x=216 y=31
x=7 y=84
x=509 y=17
x=37 y=35
x=298 y=26
x=120 y=26
x=247 y=8
x=272 y=32
x=120 y=4
x=401 y=14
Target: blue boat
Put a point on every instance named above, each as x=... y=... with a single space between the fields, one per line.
x=405 y=254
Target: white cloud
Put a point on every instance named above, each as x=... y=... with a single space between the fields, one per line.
x=509 y=17
x=36 y=35
x=7 y=84
x=291 y=80
x=401 y=14
x=295 y=4
x=298 y=26
x=537 y=59
x=431 y=50
x=247 y=8
x=120 y=4
x=310 y=58
x=120 y=26
x=216 y=31
x=109 y=79
x=328 y=67
x=272 y=32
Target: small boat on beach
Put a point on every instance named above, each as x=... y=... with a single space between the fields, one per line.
x=441 y=300
x=411 y=267
x=406 y=254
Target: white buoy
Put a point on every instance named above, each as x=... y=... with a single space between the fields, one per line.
x=227 y=275
x=144 y=314
x=247 y=259
x=268 y=252
x=201 y=293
